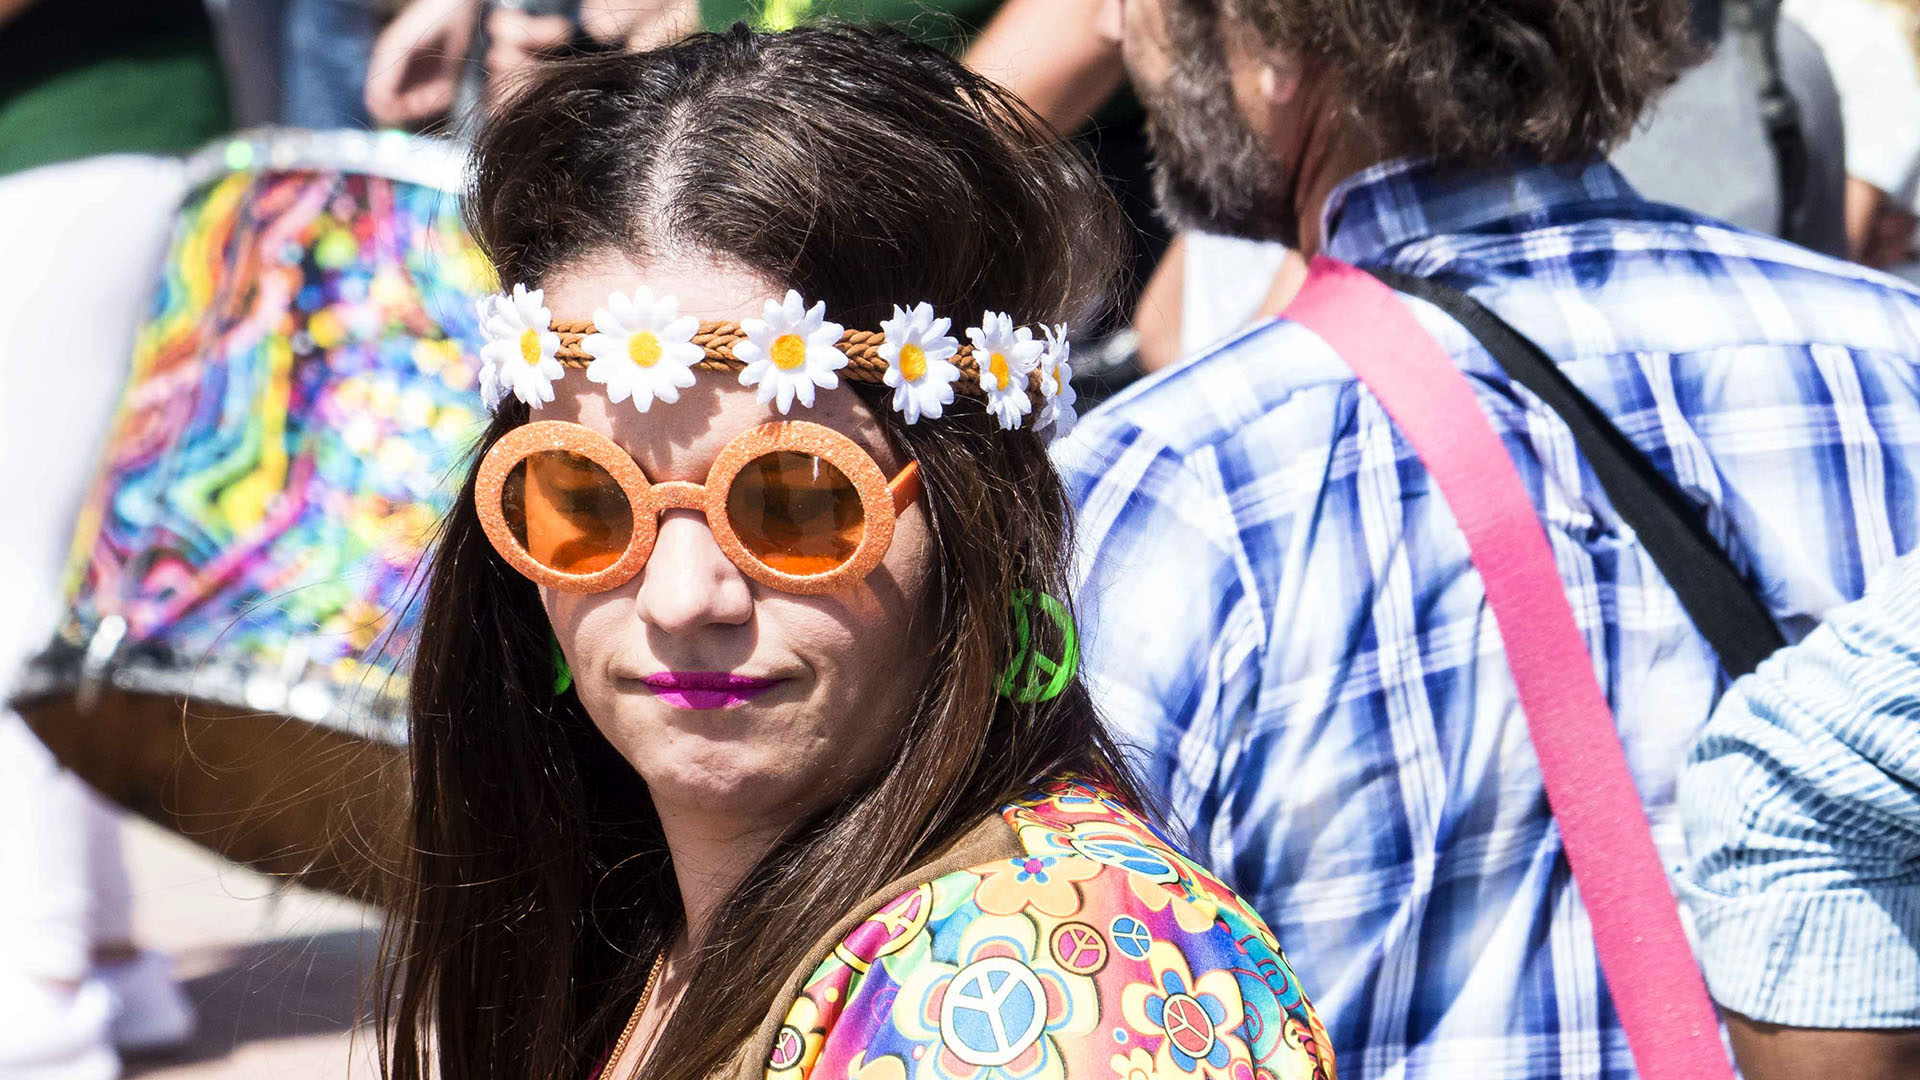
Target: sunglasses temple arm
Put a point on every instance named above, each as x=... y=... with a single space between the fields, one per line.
x=905 y=488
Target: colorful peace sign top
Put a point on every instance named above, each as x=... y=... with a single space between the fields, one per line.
x=1098 y=952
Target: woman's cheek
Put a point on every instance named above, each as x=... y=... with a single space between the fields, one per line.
x=584 y=628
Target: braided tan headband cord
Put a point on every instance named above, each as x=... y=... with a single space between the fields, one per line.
x=639 y=347
x=862 y=347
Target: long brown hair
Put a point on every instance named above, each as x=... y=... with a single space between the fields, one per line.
x=864 y=170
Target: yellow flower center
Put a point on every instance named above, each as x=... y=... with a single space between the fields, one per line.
x=997 y=367
x=530 y=347
x=644 y=349
x=789 y=352
x=913 y=362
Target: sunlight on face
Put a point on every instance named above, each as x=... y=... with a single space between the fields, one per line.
x=731 y=698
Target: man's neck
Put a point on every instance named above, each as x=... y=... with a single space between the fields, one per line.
x=1329 y=157
x=1332 y=152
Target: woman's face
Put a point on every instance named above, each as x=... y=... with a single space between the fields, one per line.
x=832 y=677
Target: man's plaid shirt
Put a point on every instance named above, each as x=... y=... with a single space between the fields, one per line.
x=1281 y=612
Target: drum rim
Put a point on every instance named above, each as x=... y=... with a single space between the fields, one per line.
x=393 y=155
x=363 y=712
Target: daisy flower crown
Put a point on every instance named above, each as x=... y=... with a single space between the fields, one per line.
x=640 y=347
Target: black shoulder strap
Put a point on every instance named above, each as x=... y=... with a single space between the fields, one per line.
x=1718 y=600
x=1757 y=25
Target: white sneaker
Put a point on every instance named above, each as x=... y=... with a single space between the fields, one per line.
x=149 y=1011
x=50 y=1034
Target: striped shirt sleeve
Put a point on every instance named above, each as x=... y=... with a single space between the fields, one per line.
x=1802 y=808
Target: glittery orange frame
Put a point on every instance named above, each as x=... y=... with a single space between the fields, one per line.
x=881 y=500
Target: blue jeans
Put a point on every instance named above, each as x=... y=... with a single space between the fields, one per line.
x=324 y=49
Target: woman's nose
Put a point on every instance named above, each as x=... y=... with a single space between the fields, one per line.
x=688 y=581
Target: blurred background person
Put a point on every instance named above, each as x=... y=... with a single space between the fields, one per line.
x=1802 y=808
x=418 y=61
x=434 y=53
x=1752 y=134
x=299 y=63
x=1873 y=47
x=96 y=98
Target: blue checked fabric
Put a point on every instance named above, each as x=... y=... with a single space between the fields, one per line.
x=1282 y=616
x=1802 y=808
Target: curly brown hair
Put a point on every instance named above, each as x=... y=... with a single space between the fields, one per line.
x=1479 y=81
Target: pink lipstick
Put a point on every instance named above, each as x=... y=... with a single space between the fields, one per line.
x=706 y=689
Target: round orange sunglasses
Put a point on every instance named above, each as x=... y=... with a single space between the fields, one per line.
x=796 y=506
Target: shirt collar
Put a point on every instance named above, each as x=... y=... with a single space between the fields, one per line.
x=1387 y=205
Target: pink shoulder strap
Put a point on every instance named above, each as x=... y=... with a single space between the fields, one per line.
x=1656 y=984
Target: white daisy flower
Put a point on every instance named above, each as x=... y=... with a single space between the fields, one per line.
x=1006 y=356
x=520 y=347
x=1057 y=395
x=919 y=353
x=492 y=391
x=790 y=351
x=496 y=320
x=643 y=347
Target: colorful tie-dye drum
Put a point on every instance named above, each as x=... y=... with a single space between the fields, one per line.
x=297 y=412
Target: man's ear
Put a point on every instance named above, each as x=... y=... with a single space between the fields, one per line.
x=1264 y=78
x=1280 y=77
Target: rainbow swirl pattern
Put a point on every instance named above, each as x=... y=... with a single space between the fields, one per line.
x=291 y=432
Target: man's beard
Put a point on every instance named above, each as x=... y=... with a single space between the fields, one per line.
x=1210 y=170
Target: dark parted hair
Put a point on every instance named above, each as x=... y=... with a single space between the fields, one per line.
x=864 y=170
x=1476 y=82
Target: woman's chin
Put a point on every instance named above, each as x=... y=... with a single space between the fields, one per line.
x=749 y=790
x=757 y=760
x=721 y=767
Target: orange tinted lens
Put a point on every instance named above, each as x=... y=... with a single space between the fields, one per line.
x=796 y=513
x=567 y=512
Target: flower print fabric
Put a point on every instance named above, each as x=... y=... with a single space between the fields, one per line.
x=1099 y=952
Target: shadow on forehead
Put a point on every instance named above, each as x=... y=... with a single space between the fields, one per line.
x=679 y=440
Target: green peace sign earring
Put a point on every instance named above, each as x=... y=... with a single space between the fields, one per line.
x=562 y=674
x=1033 y=676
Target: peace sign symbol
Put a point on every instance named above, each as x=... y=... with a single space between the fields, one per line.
x=1188 y=1026
x=787 y=1046
x=1131 y=937
x=1032 y=676
x=888 y=930
x=992 y=1011
x=1125 y=854
x=1079 y=948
